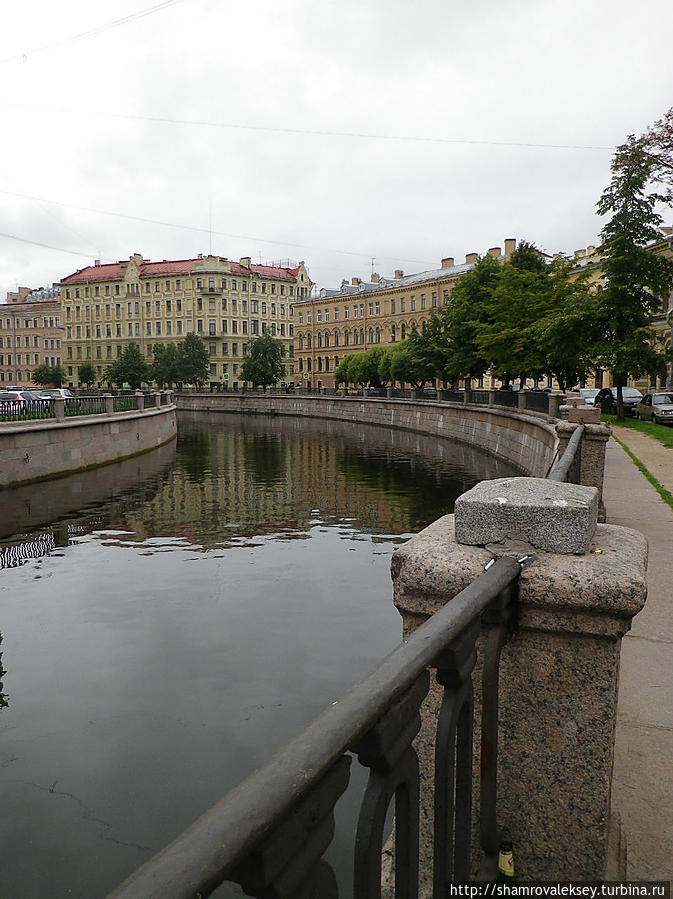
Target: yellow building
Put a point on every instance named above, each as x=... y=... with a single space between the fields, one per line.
x=383 y=311
x=227 y=303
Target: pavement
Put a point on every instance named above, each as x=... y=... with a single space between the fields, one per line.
x=642 y=788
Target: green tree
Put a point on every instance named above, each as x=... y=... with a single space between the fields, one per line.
x=263 y=366
x=343 y=373
x=412 y=362
x=130 y=368
x=86 y=374
x=49 y=375
x=165 y=368
x=463 y=317
x=364 y=367
x=521 y=297
x=194 y=362
x=636 y=278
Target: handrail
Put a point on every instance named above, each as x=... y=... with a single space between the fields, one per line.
x=564 y=467
x=215 y=847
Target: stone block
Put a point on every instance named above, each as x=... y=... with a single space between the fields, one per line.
x=584 y=414
x=553 y=517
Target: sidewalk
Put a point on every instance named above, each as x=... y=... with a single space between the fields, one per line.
x=642 y=789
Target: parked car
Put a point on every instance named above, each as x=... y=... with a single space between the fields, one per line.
x=430 y=392
x=589 y=394
x=53 y=392
x=607 y=400
x=13 y=400
x=657 y=407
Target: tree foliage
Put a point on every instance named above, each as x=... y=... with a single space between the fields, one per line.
x=130 y=368
x=636 y=278
x=165 y=368
x=193 y=366
x=86 y=374
x=49 y=375
x=263 y=366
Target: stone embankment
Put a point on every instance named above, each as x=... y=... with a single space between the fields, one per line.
x=35 y=450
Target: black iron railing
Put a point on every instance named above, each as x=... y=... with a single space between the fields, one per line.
x=568 y=468
x=84 y=405
x=271 y=832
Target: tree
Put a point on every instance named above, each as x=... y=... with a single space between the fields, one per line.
x=636 y=278
x=520 y=297
x=130 y=368
x=86 y=374
x=263 y=366
x=49 y=375
x=193 y=365
x=463 y=317
x=412 y=361
x=165 y=368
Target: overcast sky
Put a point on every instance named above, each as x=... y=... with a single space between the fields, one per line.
x=333 y=132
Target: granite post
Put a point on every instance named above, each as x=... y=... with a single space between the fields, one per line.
x=594 y=442
x=559 y=673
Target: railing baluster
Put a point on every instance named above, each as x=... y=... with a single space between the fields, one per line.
x=387 y=751
x=453 y=762
x=497 y=619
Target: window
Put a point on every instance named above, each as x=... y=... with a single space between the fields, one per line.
x=413 y=304
x=147 y=287
x=234 y=349
x=263 y=308
x=423 y=303
x=254 y=287
x=212 y=348
x=179 y=327
x=178 y=284
x=403 y=304
x=211 y=326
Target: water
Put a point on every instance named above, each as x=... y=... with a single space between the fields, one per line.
x=169 y=622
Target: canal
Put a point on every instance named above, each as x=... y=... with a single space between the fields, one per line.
x=170 y=621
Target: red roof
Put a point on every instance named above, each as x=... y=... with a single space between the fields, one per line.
x=115 y=271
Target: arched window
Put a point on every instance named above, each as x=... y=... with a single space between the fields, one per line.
x=355 y=336
x=326 y=363
x=326 y=338
x=347 y=337
x=362 y=335
x=308 y=365
x=319 y=339
x=336 y=338
x=336 y=361
x=319 y=363
x=424 y=326
x=371 y=335
x=393 y=334
x=308 y=341
x=378 y=335
x=403 y=329
x=301 y=341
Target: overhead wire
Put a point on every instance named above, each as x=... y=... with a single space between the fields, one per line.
x=98 y=29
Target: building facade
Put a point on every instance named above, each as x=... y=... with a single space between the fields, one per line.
x=227 y=303
x=380 y=312
x=30 y=334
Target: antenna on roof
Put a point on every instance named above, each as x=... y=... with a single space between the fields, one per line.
x=372 y=271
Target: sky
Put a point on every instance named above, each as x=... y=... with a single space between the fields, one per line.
x=358 y=136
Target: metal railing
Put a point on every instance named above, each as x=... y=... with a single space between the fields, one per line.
x=269 y=835
x=84 y=405
x=568 y=468
x=25 y=410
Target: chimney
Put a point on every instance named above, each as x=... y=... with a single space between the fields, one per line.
x=447 y=262
x=590 y=250
x=510 y=246
x=495 y=252
x=96 y=262
x=245 y=261
x=356 y=281
x=471 y=257
x=344 y=283
x=399 y=273
x=580 y=254
x=376 y=277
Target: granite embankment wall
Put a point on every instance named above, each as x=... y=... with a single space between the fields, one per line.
x=46 y=448
x=526 y=440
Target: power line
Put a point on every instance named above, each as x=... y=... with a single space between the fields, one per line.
x=312 y=132
x=45 y=246
x=196 y=229
x=99 y=29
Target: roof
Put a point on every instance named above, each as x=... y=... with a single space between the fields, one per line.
x=386 y=283
x=116 y=271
